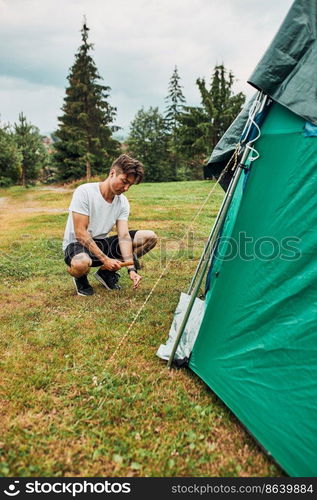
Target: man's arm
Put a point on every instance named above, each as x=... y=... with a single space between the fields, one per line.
x=126 y=249
x=80 y=228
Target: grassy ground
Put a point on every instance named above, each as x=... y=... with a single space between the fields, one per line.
x=80 y=396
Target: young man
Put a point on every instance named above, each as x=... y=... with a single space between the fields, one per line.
x=94 y=209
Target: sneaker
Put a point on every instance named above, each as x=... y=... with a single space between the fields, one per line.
x=136 y=262
x=82 y=286
x=109 y=279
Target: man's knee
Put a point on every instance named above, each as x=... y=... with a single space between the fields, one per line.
x=145 y=238
x=80 y=265
x=152 y=238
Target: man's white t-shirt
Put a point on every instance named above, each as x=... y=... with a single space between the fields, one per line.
x=88 y=200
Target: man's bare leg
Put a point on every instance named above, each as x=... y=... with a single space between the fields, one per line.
x=143 y=242
x=80 y=265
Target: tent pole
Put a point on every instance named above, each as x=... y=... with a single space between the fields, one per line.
x=202 y=257
x=212 y=238
x=245 y=154
x=215 y=232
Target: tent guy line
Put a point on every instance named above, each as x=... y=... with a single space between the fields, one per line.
x=246 y=149
x=168 y=263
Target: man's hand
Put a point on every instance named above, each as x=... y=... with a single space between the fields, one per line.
x=136 y=278
x=111 y=265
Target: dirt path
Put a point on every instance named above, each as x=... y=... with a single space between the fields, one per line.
x=30 y=204
x=41 y=209
x=55 y=188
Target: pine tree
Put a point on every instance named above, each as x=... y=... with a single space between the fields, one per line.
x=10 y=158
x=147 y=141
x=219 y=102
x=194 y=141
x=175 y=101
x=85 y=145
x=202 y=127
x=30 y=145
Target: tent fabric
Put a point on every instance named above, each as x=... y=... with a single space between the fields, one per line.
x=257 y=344
x=238 y=132
x=223 y=241
x=227 y=145
x=287 y=71
x=310 y=130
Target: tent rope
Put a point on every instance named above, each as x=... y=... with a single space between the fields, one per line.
x=210 y=247
x=254 y=109
x=234 y=158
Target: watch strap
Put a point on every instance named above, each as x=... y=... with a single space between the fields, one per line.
x=131 y=269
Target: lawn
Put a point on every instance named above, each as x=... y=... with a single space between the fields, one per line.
x=83 y=393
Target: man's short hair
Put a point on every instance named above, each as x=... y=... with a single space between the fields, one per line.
x=129 y=166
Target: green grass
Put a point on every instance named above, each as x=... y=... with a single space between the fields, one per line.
x=81 y=397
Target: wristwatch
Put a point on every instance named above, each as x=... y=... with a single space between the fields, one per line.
x=131 y=269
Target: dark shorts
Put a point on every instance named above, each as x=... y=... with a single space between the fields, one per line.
x=109 y=246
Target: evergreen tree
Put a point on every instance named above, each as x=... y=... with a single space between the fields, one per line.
x=147 y=141
x=202 y=127
x=10 y=159
x=85 y=145
x=219 y=102
x=175 y=103
x=30 y=145
x=194 y=141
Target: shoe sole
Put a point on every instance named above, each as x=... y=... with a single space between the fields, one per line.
x=99 y=278
x=81 y=294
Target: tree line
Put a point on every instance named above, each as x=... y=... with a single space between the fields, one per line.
x=173 y=145
x=22 y=153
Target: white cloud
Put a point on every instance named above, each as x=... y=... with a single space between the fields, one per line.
x=41 y=104
x=137 y=44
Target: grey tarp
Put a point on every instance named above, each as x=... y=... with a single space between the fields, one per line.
x=187 y=341
x=287 y=71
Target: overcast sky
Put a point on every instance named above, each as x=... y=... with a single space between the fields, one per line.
x=137 y=44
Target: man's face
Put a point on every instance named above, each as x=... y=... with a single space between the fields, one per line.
x=120 y=182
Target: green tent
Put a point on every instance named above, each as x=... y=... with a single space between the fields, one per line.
x=256 y=346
